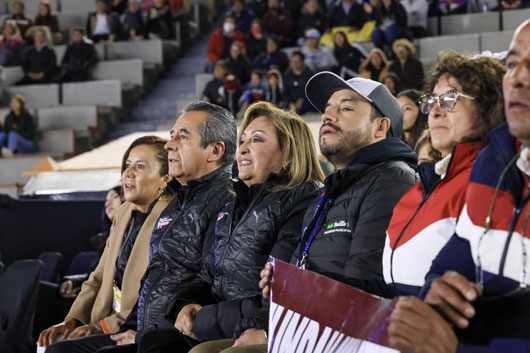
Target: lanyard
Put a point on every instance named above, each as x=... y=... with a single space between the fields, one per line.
x=316 y=220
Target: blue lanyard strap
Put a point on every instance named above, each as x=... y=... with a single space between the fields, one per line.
x=318 y=212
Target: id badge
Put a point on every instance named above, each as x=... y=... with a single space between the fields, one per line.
x=116 y=299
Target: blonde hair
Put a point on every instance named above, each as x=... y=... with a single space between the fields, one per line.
x=296 y=143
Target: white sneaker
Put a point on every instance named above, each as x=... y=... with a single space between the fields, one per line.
x=7 y=153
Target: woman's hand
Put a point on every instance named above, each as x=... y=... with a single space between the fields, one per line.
x=67 y=290
x=266 y=280
x=185 y=319
x=85 y=330
x=48 y=336
x=251 y=337
x=126 y=337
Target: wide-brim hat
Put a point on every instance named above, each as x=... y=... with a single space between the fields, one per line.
x=404 y=43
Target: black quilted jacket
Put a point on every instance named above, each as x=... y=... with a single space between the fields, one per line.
x=182 y=233
x=256 y=224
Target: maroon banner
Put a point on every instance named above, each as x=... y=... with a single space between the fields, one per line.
x=311 y=313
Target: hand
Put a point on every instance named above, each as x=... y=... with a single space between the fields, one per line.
x=48 y=336
x=251 y=337
x=266 y=280
x=126 y=337
x=415 y=327
x=67 y=290
x=452 y=295
x=382 y=27
x=85 y=330
x=185 y=319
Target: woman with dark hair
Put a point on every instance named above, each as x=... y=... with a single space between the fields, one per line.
x=393 y=83
x=110 y=293
x=279 y=175
x=414 y=121
x=349 y=57
x=464 y=101
x=375 y=66
x=11 y=45
x=46 y=18
x=256 y=41
x=18 y=133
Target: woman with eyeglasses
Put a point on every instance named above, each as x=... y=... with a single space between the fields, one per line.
x=464 y=102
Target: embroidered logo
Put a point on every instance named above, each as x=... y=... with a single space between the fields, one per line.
x=340 y=226
x=162 y=222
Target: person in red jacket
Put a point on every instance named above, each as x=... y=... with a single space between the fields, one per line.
x=220 y=41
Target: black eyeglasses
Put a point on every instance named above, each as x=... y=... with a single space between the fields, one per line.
x=446 y=101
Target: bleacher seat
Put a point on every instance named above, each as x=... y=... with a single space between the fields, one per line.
x=495 y=41
x=65 y=116
x=80 y=6
x=83 y=262
x=67 y=20
x=60 y=50
x=513 y=18
x=105 y=93
x=150 y=51
x=430 y=47
x=11 y=75
x=469 y=23
x=37 y=96
x=52 y=261
x=58 y=141
x=11 y=168
x=126 y=71
x=200 y=82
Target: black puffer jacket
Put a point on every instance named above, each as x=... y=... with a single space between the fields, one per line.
x=256 y=224
x=349 y=241
x=183 y=231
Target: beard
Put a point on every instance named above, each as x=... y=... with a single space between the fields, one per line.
x=350 y=142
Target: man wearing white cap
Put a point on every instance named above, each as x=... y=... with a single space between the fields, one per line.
x=317 y=57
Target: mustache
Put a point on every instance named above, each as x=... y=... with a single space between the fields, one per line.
x=333 y=126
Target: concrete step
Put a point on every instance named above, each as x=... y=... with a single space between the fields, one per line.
x=11 y=168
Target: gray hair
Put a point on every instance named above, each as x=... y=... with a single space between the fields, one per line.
x=220 y=125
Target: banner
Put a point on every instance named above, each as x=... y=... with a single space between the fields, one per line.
x=311 y=313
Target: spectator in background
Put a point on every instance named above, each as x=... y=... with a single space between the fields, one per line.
x=132 y=21
x=414 y=120
x=231 y=94
x=118 y=6
x=79 y=58
x=258 y=7
x=278 y=21
x=160 y=21
x=238 y=64
x=417 y=14
x=18 y=132
x=272 y=58
x=256 y=42
x=349 y=57
x=103 y=25
x=346 y=13
x=255 y=91
x=294 y=84
x=317 y=57
x=393 y=83
x=48 y=19
x=375 y=66
x=450 y=7
x=221 y=40
x=39 y=62
x=212 y=92
x=312 y=17
x=274 y=88
x=391 y=23
x=406 y=67
x=243 y=16
x=18 y=18
x=426 y=153
x=11 y=45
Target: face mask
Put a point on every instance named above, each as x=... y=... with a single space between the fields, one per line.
x=255 y=31
x=228 y=27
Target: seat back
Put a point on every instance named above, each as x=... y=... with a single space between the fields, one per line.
x=52 y=261
x=83 y=262
x=18 y=297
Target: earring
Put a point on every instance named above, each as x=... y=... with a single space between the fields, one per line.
x=161 y=192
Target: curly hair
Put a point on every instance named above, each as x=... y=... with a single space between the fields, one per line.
x=481 y=78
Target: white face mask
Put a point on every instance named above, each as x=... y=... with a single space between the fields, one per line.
x=228 y=27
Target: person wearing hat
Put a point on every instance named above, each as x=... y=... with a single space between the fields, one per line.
x=317 y=57
x=408 y=69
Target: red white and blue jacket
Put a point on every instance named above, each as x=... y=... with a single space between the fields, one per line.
x=425 y=219
x=501 y=248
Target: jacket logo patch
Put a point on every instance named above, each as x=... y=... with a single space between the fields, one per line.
x=162 y=222
x=340 y=226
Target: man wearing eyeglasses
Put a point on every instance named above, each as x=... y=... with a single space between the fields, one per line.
x=480 y=280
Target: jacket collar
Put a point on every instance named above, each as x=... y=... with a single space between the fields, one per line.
x=246 y=194
x=197 y=184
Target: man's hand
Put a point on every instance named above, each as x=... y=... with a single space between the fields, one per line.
x=48 y=336
x=85 y=330
x=266 y=280
x=67 y=290
x=415 y=327
x=185 y=319
x=250 y=337
x=452 y=295
x=126 y=337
